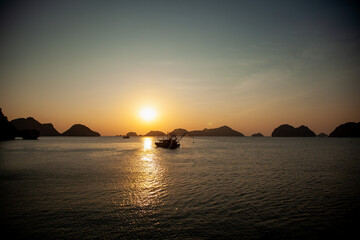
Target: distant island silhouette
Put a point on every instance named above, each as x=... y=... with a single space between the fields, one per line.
x=45 y=129
x=131 y=134
x=30 y=128
x=79 y=130
x=7 y=130
x=178 y=132
x=257 y=135
x=287 y=130
x=155 y=133
x=349 y=129
x=220 y=131
x=29 y=134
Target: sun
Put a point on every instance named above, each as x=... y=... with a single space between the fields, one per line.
x=148 y=114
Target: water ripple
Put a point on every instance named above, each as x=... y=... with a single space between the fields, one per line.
x=222 y=188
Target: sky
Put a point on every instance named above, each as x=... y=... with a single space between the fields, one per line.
x=251 y=65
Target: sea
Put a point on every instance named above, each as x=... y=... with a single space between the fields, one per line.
x=209 y=188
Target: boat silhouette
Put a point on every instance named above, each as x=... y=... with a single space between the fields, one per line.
x=171 y=142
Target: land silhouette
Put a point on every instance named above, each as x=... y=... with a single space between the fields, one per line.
x=155 y=133
x=7 y=130
x=178 y=132
x=131 y=134
x=45 y=129
x=79 y=130
x=29 y=134
x=220 y=131
x=30 y=128
x=349 y=129
x=257 y=135
x=287 y=130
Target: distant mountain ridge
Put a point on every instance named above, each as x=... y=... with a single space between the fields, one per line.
x=45 y=129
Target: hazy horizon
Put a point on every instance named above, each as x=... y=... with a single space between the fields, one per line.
x=250 y=65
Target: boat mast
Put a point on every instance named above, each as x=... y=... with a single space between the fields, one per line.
x=182 y=136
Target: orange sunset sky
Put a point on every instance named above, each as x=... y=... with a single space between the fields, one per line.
x=197 y=64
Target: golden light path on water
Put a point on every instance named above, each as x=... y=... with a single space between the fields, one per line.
x=148 y=180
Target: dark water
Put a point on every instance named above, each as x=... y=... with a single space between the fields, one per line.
x=244 y=188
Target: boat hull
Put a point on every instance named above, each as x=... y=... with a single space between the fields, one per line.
x=168 y=144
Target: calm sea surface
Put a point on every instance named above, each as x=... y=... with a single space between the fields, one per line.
x=219 y=187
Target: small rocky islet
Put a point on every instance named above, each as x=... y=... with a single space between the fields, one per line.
x=257 y=135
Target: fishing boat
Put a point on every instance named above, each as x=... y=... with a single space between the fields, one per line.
x=171 y=142
x=126 y=137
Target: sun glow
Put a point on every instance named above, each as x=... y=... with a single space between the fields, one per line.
x=147 y=114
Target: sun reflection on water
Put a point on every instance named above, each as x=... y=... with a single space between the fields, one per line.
x=148 y=144
x=147 y=177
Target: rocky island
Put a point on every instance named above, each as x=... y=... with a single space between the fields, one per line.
x=7 y=130
x=178 y=132
x=221 y=131
x=287 y=130
x=155 y=133
x=350 y=129
x=131 y=134
x=46 y=129
x=79 y=130
x=29 y=134
x=257 y=135
x=213 y=132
